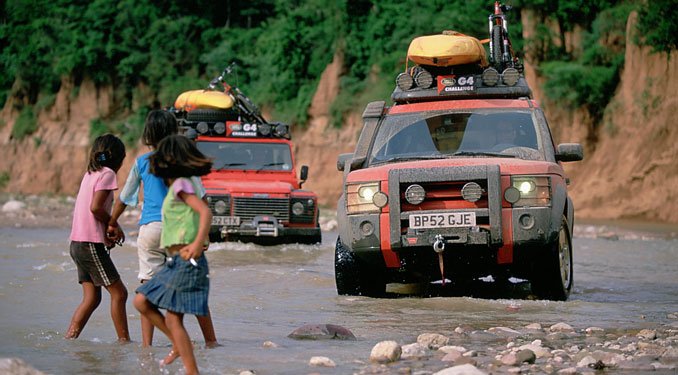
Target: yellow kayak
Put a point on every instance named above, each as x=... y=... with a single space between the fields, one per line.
x=194 y=99
x=447 y=49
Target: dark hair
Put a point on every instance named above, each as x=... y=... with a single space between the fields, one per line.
x=178 y=156
x=159 y=124
x=107 y=151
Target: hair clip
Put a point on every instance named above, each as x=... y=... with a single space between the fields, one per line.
x=101 y=156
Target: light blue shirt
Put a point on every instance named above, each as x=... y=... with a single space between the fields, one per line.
x=154 y=190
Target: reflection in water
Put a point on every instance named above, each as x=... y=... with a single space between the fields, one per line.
x=262 y=294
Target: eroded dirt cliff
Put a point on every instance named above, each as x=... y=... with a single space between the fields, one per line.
x=630 y=168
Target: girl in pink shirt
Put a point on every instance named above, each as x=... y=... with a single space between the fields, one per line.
x=90 y=245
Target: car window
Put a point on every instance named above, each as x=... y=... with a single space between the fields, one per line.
x=449 y=134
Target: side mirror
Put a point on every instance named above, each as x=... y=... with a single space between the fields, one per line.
x=569 y=152
x=342 y=159
x=354 y=162
x=303 y=174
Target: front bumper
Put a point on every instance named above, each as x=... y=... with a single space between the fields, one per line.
x=265 y=226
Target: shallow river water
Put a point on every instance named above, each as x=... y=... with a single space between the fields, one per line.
x=261 y=294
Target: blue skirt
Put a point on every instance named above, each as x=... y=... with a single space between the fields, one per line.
x=179 y=286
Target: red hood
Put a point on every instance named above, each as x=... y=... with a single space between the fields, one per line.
x=508 y=166
x=249 y=183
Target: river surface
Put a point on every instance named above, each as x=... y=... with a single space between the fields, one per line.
x=260 y=294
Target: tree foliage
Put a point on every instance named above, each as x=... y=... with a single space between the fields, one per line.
x=281 y=47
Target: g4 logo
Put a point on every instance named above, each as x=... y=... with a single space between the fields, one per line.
x=465 y=81
x=249 y=127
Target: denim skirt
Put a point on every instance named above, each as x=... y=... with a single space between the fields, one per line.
x=179 y=286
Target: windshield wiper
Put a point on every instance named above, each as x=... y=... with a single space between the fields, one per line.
x=268 y=165
x=482 y=153
x=227 y=165
x=406 y=158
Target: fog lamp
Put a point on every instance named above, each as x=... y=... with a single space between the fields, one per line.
x=490 y=77
x=423 y=78
x=366 y=228
x=510 y=76
x=414 y=194
x=380 y=199
x=404 y=81
x=471 y=192
x=298 y=208
x=220 y=128
x=202 y=127
x=280 y=130
x=220 y=207
x=264 y=129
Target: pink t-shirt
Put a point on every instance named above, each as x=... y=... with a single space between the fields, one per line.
x=86 y=228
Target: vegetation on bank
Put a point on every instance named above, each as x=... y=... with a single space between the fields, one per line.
x=150 y=51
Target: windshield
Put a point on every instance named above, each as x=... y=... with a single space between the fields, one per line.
x=248 y=155
x=413 y=136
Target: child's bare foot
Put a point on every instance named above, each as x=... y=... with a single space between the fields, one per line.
x=211 y=344
x=72 y=333
x=169 y=358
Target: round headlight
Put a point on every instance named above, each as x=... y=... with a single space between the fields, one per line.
x=380 y=199
x=424 y=79
x=415 y=194
x=404 y=81
x=490 y=77
x=471 y=192
x=220 y=207
x=298 y=208
x=526 y=186
x=220 y=128
x=202 y=127
x=510 y=76
x=367 y=192
x=235 y=127
x=264 y=129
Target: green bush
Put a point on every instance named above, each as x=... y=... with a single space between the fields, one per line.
x=25 y=124
x=4 y=179
x=658 y=26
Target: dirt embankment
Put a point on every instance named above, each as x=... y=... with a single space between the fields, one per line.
x=629 y=171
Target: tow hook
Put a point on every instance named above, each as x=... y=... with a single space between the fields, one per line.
x=439 y=247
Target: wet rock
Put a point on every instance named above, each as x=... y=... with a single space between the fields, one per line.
x=594 y=330
x=451 y=356
x=586 y=361
x=567 y=371
x=517 y=358
x=433 y=340
x=561 y=327
x=13 y=206
x=321 y=362
x=17 y=366
x=647 y=334
x=321 y=332
x=536 y=348
x=452 y=348
x=386 y=351
x=466 y=369
x=269 y=344
x=247 y=372
x=504 y=331
x=534 y=326
x=415 y=350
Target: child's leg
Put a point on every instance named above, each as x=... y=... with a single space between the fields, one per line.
x=151 y=259
x=151 y=313
x=207 y=328
x=175 y=322
x=91 y=297
x=118 y=309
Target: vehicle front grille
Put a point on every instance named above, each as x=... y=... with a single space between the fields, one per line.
x=443 y=194
x=248 y=208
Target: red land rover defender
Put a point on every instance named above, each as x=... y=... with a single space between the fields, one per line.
x=458 y=179
x=254 y=191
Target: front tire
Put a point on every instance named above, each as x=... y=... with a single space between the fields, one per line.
x=553 y=275
x=352 y=277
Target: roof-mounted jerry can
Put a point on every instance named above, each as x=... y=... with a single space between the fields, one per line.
x=447 y=49
x=194 y=99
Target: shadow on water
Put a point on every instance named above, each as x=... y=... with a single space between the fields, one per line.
x=484 y=288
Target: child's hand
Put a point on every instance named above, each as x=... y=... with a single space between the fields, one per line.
x=193 y=250
x=115 y=234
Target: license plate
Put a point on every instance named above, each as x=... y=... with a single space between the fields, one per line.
x=226 y=220
x=443 y=220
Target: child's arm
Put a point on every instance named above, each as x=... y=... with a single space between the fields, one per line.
x=195 y=248
x=98 y=206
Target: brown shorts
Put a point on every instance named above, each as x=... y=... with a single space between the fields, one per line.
x=94 y=263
